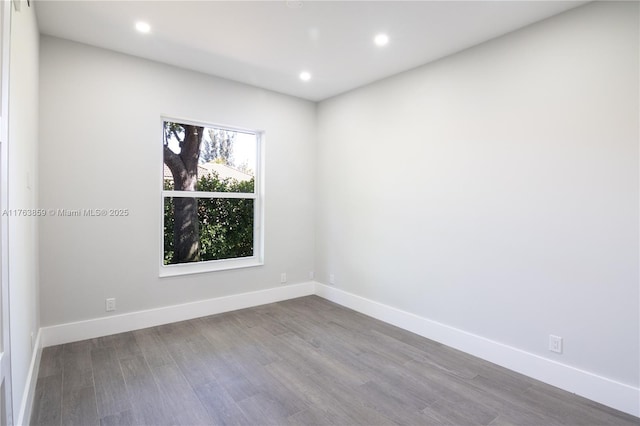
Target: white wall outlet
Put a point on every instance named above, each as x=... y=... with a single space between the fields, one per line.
x=312 y=275
x=33 y=339
x=283 y=278
x=110 y=305
x=555 y=343
x=332 y=279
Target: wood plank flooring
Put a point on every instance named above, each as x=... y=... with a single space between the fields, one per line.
x=305 y=361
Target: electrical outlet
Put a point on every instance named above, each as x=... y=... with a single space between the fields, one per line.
x=33 y=339
x=555 y=343
x=332 y=279
x=110 y=305
x=312 y=275
x=283 y=278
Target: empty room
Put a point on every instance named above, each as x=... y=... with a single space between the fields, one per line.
x=320 y=212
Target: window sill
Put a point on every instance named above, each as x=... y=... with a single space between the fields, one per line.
x=208 y=266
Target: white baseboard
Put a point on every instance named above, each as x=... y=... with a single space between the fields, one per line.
x=597 y=388
x=26 y=406
x=81 y=330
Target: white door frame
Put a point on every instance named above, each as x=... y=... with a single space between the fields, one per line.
x=6 y=404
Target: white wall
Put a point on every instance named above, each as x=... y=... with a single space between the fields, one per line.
x=496 y=190
x=101 y=147
x=23 y=232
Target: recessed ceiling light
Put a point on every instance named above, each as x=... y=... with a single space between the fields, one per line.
x=305 y=76
x=381 y=40
x=143 y=27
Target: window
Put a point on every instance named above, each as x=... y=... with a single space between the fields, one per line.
x=211 y=207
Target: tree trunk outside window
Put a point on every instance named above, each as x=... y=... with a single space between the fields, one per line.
x=184 y=167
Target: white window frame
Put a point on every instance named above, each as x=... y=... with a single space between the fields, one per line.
x=258 y=212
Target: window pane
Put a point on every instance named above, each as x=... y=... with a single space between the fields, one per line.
x=208 y=159
x=200 y=229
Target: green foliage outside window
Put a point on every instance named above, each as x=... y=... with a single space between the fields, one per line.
x=225 y=224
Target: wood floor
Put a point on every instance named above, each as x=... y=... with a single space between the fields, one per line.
x=305 y=361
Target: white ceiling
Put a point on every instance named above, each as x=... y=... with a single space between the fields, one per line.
x=268 y=43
